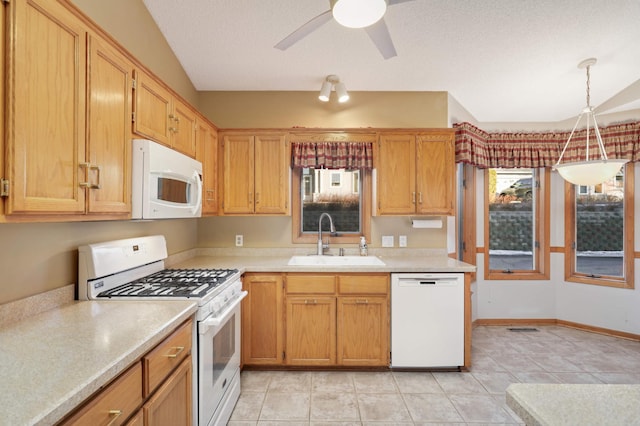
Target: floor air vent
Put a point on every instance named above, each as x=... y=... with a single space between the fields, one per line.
x=522 y=329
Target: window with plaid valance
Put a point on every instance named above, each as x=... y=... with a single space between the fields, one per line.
x=511 y=150
x=332 y=155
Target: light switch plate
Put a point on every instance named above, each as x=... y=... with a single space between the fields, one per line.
x=402 y=240
x=387 y=241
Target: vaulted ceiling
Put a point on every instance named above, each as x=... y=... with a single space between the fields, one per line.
x=503 y=60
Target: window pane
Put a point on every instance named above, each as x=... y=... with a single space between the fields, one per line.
x=336 y=192
x=600 y=228
x=511 y=219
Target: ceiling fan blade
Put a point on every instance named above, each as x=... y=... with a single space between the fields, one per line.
x=304 y=30
x=379 y=34
x=392 y=2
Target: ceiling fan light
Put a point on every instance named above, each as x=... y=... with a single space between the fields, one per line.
x=341 y=91
x=325 y=91
x=358 y=13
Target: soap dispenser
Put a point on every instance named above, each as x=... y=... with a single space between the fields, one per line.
x=363 y=246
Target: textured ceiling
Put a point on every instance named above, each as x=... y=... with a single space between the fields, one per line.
x=503 y=60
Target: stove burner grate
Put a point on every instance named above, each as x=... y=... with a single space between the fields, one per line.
x=173 y=283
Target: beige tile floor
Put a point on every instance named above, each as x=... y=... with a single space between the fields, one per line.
x=500 y=357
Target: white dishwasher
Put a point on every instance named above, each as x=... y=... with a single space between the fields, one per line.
x=427 y=320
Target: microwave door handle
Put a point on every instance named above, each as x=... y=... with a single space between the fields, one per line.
x=196 y=176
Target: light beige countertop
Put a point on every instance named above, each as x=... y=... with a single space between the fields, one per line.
x=276 y=260
x=51 y=362
x=584 y=405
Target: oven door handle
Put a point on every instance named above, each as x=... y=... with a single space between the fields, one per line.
x=203 y=326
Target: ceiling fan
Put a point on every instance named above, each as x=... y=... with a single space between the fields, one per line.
x=367 y=14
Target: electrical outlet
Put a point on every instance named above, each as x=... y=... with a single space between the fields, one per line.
x=239 y=240
x=387 y=241
x=402 y=240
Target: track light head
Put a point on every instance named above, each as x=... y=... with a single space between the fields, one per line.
x=330 y=82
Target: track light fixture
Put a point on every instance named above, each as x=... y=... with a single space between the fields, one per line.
x=330 y=82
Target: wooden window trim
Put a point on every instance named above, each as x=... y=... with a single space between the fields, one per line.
x=344 y=238
x=541 y=217
x=570 y=273
x=469 y=252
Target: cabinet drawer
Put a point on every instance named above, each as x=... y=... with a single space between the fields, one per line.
x=165 y=357
x=363 y=284
x=115 y=403
x=307 y=284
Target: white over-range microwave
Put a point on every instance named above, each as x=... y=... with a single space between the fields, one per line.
x=165 y=183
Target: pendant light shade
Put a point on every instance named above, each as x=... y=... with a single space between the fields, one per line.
x=588 y=172
x=358 y=13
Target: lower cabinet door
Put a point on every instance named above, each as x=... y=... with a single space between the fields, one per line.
x=170 y=405
x=363 y=331
x=311 y=330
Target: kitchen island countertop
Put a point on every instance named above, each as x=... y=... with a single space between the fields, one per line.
x=53 y=361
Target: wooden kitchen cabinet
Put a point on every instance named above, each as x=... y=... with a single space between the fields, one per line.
x=109 y=135
x=337 y=320
x=311 y=330
x=171 y=404
x=69 y=101
x=256 y=171
x=363 y=320
x=158 y=363
x=46 y=77
x=207 y=145
x=161 y=116
x=262 y=320
x=416 y=173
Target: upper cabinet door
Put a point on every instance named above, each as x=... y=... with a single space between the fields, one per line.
x=272 y=175
x=153 y=109
x=238 y=174
x=396 y=174
x=436 y=173
x=207 y=153
x=109 y=134
x=184 y=129
x=46 y=108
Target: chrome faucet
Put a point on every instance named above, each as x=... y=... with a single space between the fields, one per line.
x=321 y=245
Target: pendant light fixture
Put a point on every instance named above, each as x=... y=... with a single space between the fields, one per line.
x=588 y=172
x=329 y=83
x=358 y=13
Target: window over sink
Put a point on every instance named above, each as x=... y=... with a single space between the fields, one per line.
x=348 y=204
x=331 y=174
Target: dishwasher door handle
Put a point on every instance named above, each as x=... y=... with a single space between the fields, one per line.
x=428 y=282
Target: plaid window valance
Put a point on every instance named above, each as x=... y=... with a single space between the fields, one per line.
x=511 y=150
x=332 y=155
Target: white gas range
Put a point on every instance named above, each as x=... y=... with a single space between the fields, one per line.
x=134 y=269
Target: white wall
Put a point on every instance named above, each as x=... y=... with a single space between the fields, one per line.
x=598 y=306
